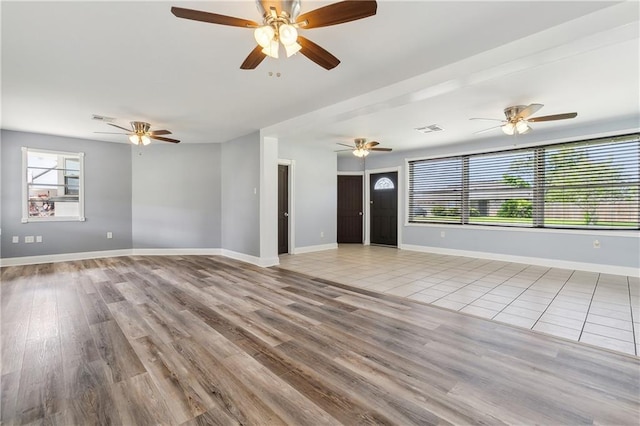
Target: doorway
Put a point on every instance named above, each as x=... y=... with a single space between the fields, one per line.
x=283 y=209
x=350 y=212
x=383 y=193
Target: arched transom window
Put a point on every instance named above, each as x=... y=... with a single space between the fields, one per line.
x=383 y=183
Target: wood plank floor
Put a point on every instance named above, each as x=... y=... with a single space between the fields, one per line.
x=201 y=340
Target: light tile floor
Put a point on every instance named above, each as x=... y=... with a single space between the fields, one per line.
x=595 y=308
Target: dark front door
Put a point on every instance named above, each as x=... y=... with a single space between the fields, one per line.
x=350 y=209
x=283 y=209
x=384 y=208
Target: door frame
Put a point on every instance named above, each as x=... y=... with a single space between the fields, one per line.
x=291 y=202
x=367 y=201
x=364 y=207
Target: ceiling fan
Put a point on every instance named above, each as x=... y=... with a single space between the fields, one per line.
x=280 y=20
x=362 y=148
x=518 y=118
x=140 y=133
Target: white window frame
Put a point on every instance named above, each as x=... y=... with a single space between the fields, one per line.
x=25 y=188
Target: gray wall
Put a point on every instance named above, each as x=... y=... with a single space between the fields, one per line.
x=107 y=198
x=350 y=163
x=1 y=196
x=315 y=192
x=176 y=196
x=240 y=195
x=621 y=249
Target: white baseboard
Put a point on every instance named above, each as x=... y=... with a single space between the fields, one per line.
x=177 y=252
x=310 y=249
x=68 y=257
x=254 y=260
x=64 y=257
x=539 y=261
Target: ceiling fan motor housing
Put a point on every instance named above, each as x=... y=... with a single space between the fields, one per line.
x=289 y=7
x=512 y=111
x=140 y=127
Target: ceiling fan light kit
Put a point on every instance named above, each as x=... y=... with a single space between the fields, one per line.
x=280 y=22
x=360 y=152
x=140 y=140
x=278 y=30
x=520 y=127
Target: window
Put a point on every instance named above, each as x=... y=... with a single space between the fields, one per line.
x=435 y=190
x=501 y=188
x=590 y=184
x=383 y=183
x=71 y=176
x=52 y=186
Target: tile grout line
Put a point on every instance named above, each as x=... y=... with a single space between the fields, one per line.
x=466 y=285
x=521 y=293
x=633 y=331
x=589 y=308
x=554 y=298
x=496 y=286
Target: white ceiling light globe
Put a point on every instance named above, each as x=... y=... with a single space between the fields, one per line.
x=264 y=35
x=288 y=34
x=509 y=128
x=522 y=127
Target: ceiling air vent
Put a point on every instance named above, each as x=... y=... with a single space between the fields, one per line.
x=102 y=118
x=429 y=129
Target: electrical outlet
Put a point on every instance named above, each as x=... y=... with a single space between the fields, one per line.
x=596 y=244
x=321 y=234
x=38 y=238
x=29 y=239
x=441 y=234
x=15 y=239
x=109 y=235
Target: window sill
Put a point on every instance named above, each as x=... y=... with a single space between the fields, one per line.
x=53 y=219
x=603 y=232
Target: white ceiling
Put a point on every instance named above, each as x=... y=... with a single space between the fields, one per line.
x=413 y=64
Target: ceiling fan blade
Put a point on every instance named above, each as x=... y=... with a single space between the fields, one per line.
x=530 y=110
x=371 y=144
x=159 y=132
x=344 y=144
x=212 y=18
x=380 y=149
x=337 y=13
x=120 y=127
x=343 y=150
x=317 y=54
x=489 y=119
x=160 y=138
x=254 y=59
x=554 y=117
x=487 y=130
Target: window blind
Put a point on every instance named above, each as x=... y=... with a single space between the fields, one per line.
x=435 y=190
x=591 y=184
x=501 y=188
